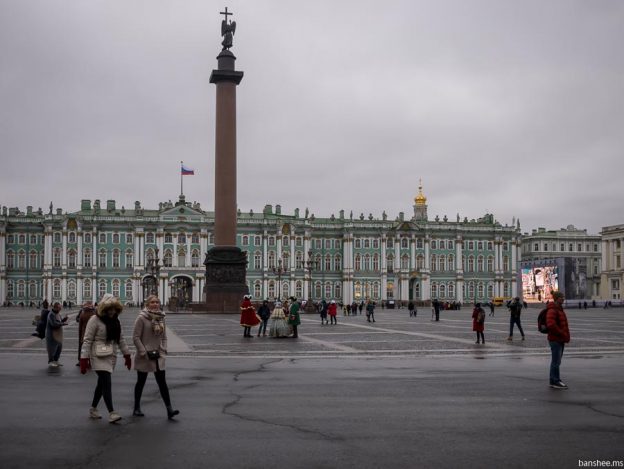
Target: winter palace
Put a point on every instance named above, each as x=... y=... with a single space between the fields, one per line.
x=79 y=256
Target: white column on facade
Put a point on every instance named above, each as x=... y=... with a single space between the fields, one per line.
x=203 y=245
x=412 y=246
x=459 y=268
x=79 y=253
x=606 y=264
x=160 y=243
x=64 y=289
x=427 y=256
x=47 y=249
x=79 y=282
x=94 y=253
x=174 y=260
x=188 y=250
x=64 y=251
x=278 y=244
x=397 y=254
x=265 y=252
x=3 y=287
x=137 y=250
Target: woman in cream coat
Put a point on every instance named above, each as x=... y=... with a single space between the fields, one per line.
x=102 y=340
x=150 y=340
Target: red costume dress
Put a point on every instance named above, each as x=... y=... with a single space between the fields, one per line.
x=248 y=314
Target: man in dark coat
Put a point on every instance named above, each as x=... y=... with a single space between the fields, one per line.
x=265 y=313
x=515 y=307
x=436 y=309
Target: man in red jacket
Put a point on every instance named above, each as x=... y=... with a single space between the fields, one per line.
x=558 y=336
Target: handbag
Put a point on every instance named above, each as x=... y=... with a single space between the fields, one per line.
x=103 y=350
x=153 y=354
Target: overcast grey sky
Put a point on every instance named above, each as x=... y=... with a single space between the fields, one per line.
x=514 y=107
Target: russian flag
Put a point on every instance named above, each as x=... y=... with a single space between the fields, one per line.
x=186 y=171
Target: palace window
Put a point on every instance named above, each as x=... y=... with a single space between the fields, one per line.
x=21 y=259
x=87 y=238
x=358 y=243
x=506 y=289
x=470 y=264
x=390 y=262
x=86 y=289
x=271 y=259
x=367 y=243
x=181 y=258
x=506 y=264
x=10 y=239
x=102 y=238
x=128 y=238
x=404 y=243
x=271 y=289
x=181 y=238
x=442 y=263
x=434 y=290
x=420 y=261
x=57 y=237
x=338 y=290
x=299 y=289
x=129 y=259
x=102 y=258
x=390 y=290
x=366 y=265
x=115 y=291
x=480 y=290
x=33 y=259
x=419 y=243
x=480 y=264
x=490 y=290
x=317 y=290
x=257 y=260
x=257 y=289
x=71 y=258
x=434 y=244
x=489 y=245
x=115 y=240
x=149 y=238
x=195 y=258
x=490 y=263
x=101 y=288
x=358 y=262
x=375 y=243
x=376 y=262
x=211 y=238
x=10 y=260
x=116 y=256
x=405 y=262
x=451 y=262
x=433 y=261
x=450 y=245
x=470 y=245
x=480 y=246
x=442 y=244
x=442 y=290
x=128 y=292
x=56 y=289
x=87 y=258
x=56 y=258
x=271 y=240
x=298 y=260
x=328 y=290
x=245 y=240
x=168 y=258
x=389 y=243
x=451 y=290
x=285 y=241
x=417 y=291
x=72 y=237
x=168 y=238
x=298 y=241
x=195 y=238
x=258 y=241
x=33 y=239
x=10 y=287
x=328 y=243
x=328 y=262
x=71 y=290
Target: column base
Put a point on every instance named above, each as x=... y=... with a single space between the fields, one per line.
x=226 y=269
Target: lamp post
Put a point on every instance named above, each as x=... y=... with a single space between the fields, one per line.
x=279 y=270
x=310 y=266
x=152 y=268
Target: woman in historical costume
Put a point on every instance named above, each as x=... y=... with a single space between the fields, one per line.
x=279 y=325
x=102 y=340
x=248 y=318
x=150 y=340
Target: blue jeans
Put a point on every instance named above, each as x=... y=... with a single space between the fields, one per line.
x=512 y=321
x=557 y=352
x=263 y=326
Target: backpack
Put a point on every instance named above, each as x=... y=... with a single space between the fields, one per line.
x=42 y=324
x=541 y=321
x=481 y=316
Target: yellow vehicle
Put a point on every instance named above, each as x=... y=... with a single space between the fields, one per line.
x=501 y=300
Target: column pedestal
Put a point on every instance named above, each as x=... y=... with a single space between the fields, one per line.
x=225 y=279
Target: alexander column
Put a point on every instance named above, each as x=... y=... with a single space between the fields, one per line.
x=226 y=264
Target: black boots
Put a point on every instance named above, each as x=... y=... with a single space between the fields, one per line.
x=171 y=412
x=137 y=412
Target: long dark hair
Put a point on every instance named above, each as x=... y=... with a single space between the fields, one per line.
x=113 y=327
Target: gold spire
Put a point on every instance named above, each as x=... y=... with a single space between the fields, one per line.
x=420 y=199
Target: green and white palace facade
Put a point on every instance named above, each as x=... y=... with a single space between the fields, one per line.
x=79 y=256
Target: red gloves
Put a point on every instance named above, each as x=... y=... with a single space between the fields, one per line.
x=85 y=364
x=128 y=361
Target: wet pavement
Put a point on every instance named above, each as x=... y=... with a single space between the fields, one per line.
x=400 y=392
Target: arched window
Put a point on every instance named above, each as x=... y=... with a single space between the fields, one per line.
x=358 y=262
x=317 y=290
x=115 y=240
x=442 y=263
x=490 y=290
x=506 y=289
x=376 y=262
x=506 y=264
x=442 y=290
x=32 y=289
x=434 y=262
x=328 y=290
x=358 y=243
x=71 y=258
x=420 y=261
x=442 y=244
x=56 y=289
x=128 y=238
x=102 y=258
x=434 y=244
x=102 y=238
x=490 y=263
x=57 y=238
x=471 y=290
x=181 y=257
x=299 y=289
x=419 y=243
x=257 y=289
x=87 y=238
x=168 y=238
x=285 y=289
x=71 y=290
x=195 y=258
x=328 y=262
x=470 y=263
x=129 y=259
x=86 y=256
x=33 y=259
x=21 y=290
x=338 y=290
x=298 y=260
x=434 y=290
x=405 y=262
x=257 y=260
x=181 y=238
x=149 y=254
x=375 y=292
x=245 y=240
x=271 y=240
x=128 y=290
x=417 y=291
x=285 y=241
x=271 y=289
x=451 y=262
x=480 y=264
x=10 y=260
x=366 y=265
x=451 y=290
x=390 y=262
x=115 y=291
x=21 y=259
x=195 y=238
x=404 y=243
x=480 y=290
x=56 y=257
x=10 y=289
x=86 y=289
x=101 y=288
x=116 y=256
x=72 y=237
x=271 y=259
x=149 y=238
x=168 y=258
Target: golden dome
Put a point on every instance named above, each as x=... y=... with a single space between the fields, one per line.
x=420 y=199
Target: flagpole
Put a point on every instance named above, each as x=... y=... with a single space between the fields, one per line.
x=181 y=178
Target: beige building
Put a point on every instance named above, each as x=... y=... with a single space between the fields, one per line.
x=612 y=278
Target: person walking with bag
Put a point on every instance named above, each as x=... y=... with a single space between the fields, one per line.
x=150 y=340
x=478 y=322
x=102 y=340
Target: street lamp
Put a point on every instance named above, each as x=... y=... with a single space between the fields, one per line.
x=309 y=267
x=279 y=270
x=152 y=268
